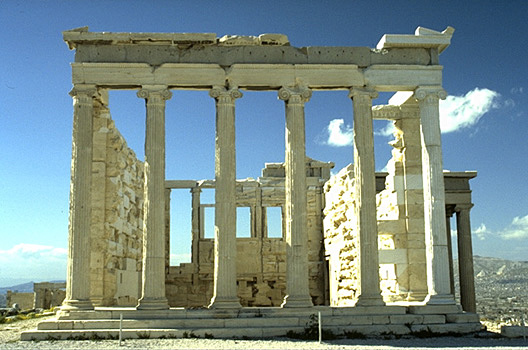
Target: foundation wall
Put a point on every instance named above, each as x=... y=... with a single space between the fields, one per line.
x=24 y=300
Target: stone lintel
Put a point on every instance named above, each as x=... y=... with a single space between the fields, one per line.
x=470 y=174
x=394 y=77
x=181 y=183
x=249 y=182
x=254 y=76
x=402 y=97
x=386 y=112
x=156 y=53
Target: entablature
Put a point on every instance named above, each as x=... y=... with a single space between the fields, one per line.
x=256 y=76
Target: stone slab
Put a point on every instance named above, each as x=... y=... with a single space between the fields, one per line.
x=434 y=319
x=406 y=319
x=514 y=331
x=368 y=310
x=435 y=309
x=462 y=318
x=347 y=320
x=448 y=328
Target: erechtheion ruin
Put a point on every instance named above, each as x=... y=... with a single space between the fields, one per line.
x=371 y=252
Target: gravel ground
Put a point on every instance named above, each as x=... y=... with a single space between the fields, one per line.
x=10 y=335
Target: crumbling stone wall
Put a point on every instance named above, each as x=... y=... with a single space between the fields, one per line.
x=117 y=212
x=400 y=213
x=341 y=242
x=342 y=239
x=48 y=294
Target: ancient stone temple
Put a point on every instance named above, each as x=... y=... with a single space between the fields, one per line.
x=371 y=252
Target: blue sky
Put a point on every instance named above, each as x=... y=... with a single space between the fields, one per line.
x=484 y=120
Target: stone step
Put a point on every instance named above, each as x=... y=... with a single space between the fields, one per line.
x=249 y=332
x=261 y=321
x=173 y=323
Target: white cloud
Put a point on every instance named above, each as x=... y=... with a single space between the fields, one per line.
x=458 y=112
x=387 y=130
x=481 y=232
x=509 y=103
x=339 y=134
x=33 y=262
x=518 y=229
x=517 y=90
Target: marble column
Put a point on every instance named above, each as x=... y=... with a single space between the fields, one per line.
x=365 y=196
x=449 y=213
x=437 y=256
x=225 y=245
x=297 y=288
x=465 y=258
x=78 y=268
x=167 y=227
x=153 y=278
x=195 y=224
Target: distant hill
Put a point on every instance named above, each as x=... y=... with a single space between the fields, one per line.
x=493 y=273
x=20 y=288
x=24 y=287
x=500 y=271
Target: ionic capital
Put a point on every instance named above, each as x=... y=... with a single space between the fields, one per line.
x=295 y=94
x=84 y=93
x=362 y=92
x=196 y=190
x=154 y=93
x=221 y=94
x=450 y=210
x=463 y=206
x=430 y=94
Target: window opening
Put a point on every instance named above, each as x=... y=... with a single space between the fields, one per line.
x=243 y=225
x=180 y=226
x=274 y=222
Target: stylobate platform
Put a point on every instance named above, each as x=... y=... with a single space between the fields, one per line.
x=253 y=322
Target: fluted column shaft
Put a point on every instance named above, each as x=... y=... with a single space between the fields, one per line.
x=78 y=268
x=153 y=282
x=225 y=245
x=365 y=196
x=195 y=223
x=465 y=258
x=449 y=213
x=437 y=257
x=297 y=288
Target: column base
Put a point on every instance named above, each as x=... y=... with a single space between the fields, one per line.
x=370 y=300
x=440 y=299
x=152 y=304
x=224 y=303
x=73 y=305
x=416 y=296
x=297 y=301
